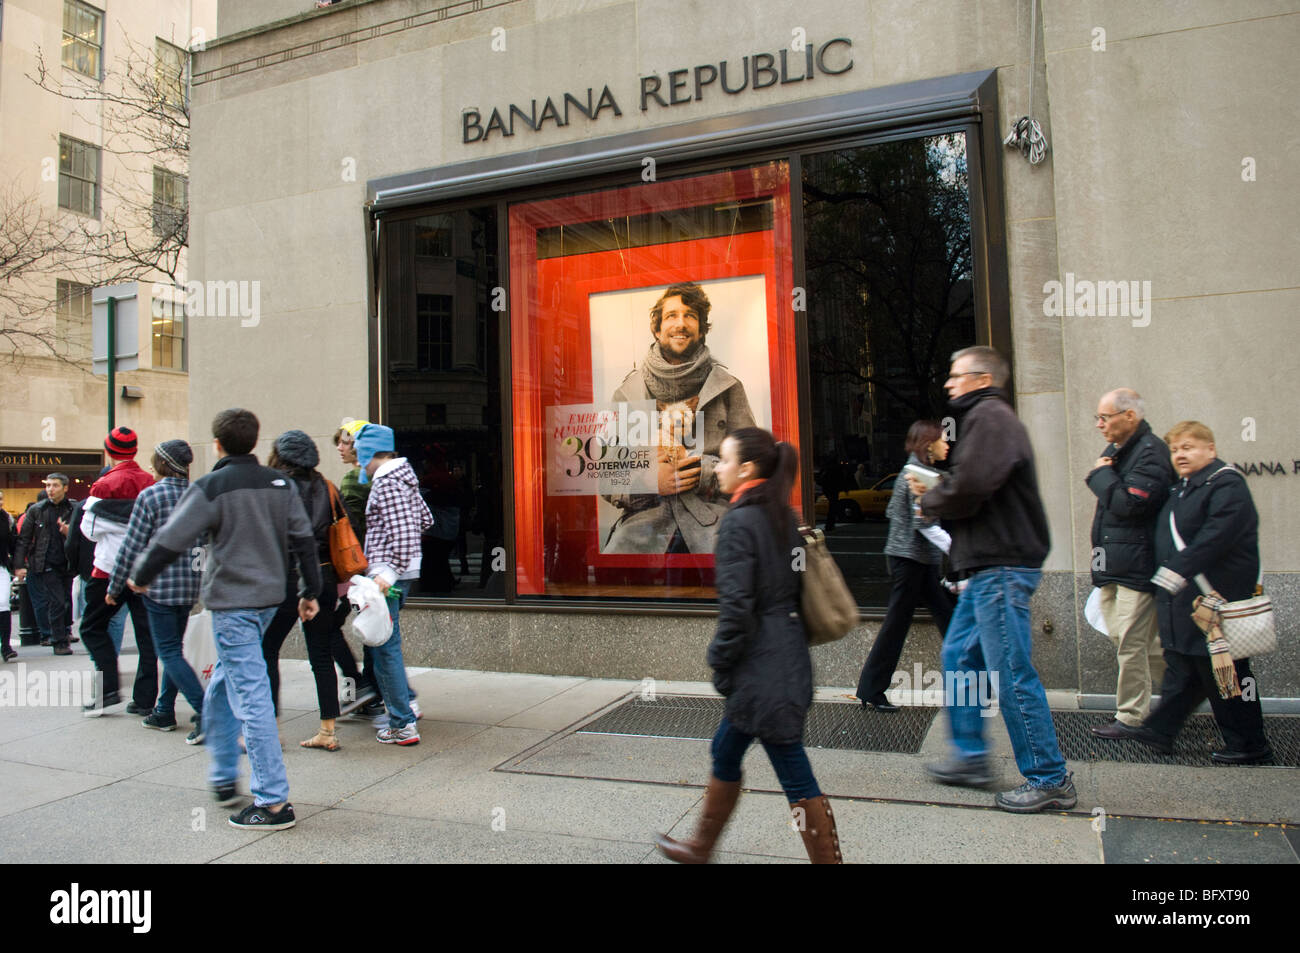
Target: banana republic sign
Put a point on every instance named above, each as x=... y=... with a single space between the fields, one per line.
x=800 y=63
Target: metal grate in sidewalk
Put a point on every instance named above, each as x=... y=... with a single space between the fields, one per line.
x=830 y=724
x=1192 y=747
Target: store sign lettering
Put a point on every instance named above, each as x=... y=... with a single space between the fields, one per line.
x=1267 y=468
x=34 y=459
x=675 y=88
x=473 y=130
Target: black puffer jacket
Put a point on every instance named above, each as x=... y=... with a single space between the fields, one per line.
x=1218 y=522
x=989 y=504
x=1130 y=495
x=759 y=653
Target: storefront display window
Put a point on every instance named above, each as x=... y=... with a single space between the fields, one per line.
x=646 y=323
x=887 y=258
x=443 y=393
x=569 y=403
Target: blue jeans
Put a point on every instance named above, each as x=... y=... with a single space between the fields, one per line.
x=116 y=626
x=239 y=698
x=789 y=761
x=167 y=625
x=390 y=670
x=989 y=632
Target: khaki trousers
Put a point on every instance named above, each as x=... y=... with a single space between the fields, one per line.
x=1133 y=630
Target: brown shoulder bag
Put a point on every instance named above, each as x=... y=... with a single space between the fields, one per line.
x=346 y=553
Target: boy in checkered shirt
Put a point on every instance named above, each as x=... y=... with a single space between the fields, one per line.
x=173 y=593
x=396 y=516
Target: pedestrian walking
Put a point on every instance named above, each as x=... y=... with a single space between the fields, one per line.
x=396 y=516
x=173 y=593
x=914 y=563
x=294 y=453
x=1131 y=481
x=41 y=563
x=81 y=560
x=1210 y=511
x=255 y=526
x=759 y=653
x=354 y=495
x=989 y=504
x=105 y=516
x=8 y=539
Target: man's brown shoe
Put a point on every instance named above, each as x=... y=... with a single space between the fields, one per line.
x=719 y=801
x=1115 y=730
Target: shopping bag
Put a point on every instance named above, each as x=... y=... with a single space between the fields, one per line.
x=200 y=648
x=372 y=623
x=1092 y=611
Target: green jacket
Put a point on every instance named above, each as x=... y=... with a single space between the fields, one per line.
x=355 y=494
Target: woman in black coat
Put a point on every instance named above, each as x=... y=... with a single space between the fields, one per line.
x=759 y=653
x=295 y=453
x=1217 y=522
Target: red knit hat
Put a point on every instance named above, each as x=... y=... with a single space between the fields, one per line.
x=121 y=443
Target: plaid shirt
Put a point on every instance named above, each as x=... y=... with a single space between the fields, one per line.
x=178 y=584
x=395 y=517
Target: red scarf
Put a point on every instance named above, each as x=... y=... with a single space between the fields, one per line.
x=746 y=487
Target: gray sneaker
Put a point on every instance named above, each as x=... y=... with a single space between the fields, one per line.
x=964 y=772
x=1029 y=800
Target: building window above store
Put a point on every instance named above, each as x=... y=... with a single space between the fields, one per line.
x=168 y=337
x=169 y=73
x=79 y=168
x=170 y=204
x=83 y=38
x=72 y=318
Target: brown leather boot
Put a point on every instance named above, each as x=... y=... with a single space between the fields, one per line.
x=719 y=801
x=820 y=838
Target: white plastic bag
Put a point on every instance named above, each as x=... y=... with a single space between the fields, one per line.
x=200 y=648
x=1092 y=611
x=372 y=622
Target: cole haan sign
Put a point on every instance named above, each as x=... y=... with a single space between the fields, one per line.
x=800 y=63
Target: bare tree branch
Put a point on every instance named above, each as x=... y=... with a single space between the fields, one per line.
x=144 y=110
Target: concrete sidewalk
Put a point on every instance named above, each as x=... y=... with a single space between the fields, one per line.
x=502 y=776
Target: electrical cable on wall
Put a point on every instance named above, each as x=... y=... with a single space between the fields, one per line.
x=1027 y=135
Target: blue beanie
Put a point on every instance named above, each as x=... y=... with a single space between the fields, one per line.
x=372 y=439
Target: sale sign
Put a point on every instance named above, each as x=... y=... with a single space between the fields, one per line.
x=601 y=449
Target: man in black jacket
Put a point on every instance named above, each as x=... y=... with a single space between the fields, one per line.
x=990 y=506
x=1131 y=480
x=40 y=560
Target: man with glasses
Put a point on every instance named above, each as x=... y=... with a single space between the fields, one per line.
x=990 y=506
x=1131 y=481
